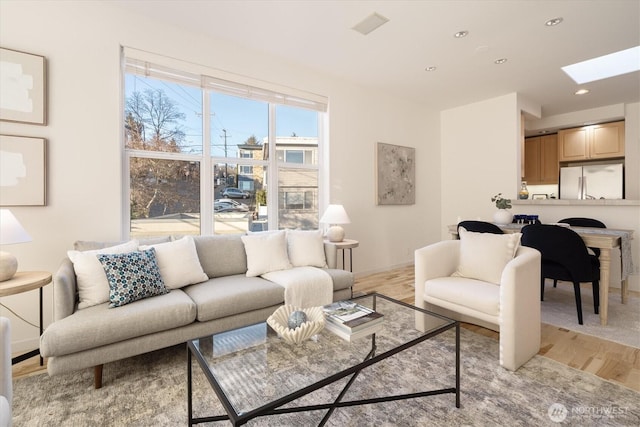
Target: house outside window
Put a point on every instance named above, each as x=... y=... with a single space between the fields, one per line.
x=209 y=142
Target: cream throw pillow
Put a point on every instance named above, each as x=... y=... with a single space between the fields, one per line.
x=178 y=262
x=266 y=252
x=92 y=283
x=483 y=256
x=306 y=248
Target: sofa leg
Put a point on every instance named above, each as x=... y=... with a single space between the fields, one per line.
x=97 y=376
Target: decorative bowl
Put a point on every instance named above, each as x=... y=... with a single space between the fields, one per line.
x=279 y=321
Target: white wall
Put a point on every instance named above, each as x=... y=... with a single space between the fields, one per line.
x=480 y=145
x=81 y=42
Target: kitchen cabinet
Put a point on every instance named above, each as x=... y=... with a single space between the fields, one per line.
x=602 y=141
x=541 y=160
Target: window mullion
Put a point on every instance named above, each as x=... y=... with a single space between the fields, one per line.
x=206 y=173
x=272 y=184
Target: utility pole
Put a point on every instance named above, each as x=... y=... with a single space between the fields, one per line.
x=226 y=165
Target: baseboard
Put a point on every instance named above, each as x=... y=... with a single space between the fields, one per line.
x=24 y=346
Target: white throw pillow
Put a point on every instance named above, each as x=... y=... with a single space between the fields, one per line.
x=483 y=256
x=266 y=252
x=178 y=262
x=306 y=248
x=92 y=283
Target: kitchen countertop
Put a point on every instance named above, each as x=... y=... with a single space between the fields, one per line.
x=559 y=202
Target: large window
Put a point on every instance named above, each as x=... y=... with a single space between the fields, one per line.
x=199 y=151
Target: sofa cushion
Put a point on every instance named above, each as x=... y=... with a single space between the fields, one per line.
x=178 y=262
x=229 y=295
x=98 y=325
x=132 y=276
x=89 y=245
x=342 y=279
x=483 y=256
x=306 y=248
x=470 y=293
x=266 y=252
x=221 y=255
x=93 y=286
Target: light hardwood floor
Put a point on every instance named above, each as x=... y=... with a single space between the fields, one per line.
x=609 y=360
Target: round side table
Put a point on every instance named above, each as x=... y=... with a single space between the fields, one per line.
x=24 y=281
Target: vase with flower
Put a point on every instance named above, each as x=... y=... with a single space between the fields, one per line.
x=502 y=216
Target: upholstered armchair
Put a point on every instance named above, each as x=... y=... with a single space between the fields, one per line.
x=504 y=296
x=6 y=387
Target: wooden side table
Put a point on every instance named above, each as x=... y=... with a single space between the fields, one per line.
x=25 y=281
x=346 y=244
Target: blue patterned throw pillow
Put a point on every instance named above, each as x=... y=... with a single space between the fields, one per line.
x=132 y=276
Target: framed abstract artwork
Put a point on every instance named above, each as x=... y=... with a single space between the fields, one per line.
x=22 y=87
x=395 y=175
x=22 y=171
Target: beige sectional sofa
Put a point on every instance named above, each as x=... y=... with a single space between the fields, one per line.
x=95 y=335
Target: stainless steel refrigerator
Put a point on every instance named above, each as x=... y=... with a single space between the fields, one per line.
x=598 y=181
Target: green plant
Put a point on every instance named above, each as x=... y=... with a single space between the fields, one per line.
x=261 y=197
x=501 y=202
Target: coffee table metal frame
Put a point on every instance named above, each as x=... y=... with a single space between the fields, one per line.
x=273 y=408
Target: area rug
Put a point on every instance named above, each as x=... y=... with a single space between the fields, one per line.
x=151 y=390
x=623 y=324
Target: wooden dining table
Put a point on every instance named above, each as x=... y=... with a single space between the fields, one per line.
x=604 y=239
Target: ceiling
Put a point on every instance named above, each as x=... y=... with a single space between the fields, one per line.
x=317 y=34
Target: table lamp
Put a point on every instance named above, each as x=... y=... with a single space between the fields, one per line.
x=334 y=215
x=11 y=232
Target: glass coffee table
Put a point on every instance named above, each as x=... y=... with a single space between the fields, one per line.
x=255 y=373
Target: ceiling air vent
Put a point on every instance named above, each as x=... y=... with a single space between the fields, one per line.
x=370 y=23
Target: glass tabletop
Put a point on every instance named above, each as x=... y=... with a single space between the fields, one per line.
x=253 y=367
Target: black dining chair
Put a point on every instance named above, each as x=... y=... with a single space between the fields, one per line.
x=585 y=222
x=564 y=257
x=479 y=227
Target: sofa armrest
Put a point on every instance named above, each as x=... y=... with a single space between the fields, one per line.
x=65 y=290
x=437 y=260
x=520 y=309
x=331 y=253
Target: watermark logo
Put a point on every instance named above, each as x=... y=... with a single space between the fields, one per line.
x=557 y=412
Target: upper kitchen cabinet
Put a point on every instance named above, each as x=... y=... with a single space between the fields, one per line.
x=541 y=160
x=602 y=141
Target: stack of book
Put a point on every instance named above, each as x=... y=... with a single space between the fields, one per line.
x=351 y=321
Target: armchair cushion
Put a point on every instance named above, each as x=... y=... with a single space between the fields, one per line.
x=460 y=291
x=483 y=256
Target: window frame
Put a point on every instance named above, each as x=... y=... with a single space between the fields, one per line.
x=163 y=68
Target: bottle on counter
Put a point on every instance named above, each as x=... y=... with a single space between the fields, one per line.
x=524 y=192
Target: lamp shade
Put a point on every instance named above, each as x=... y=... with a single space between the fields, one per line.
x=335 y=214
x=11 y=231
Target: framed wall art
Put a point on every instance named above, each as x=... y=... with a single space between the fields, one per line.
x=22 y=171
x=22 y=87
x=395 y=175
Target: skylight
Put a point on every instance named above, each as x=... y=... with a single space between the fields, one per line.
x=603 y=67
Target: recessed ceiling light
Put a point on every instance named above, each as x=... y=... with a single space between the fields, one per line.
x=370 y=23
x=461 y=34
x=500 y=61
x=582 y=91
x=611 y=65
x=431 y=68
x=553 y=22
